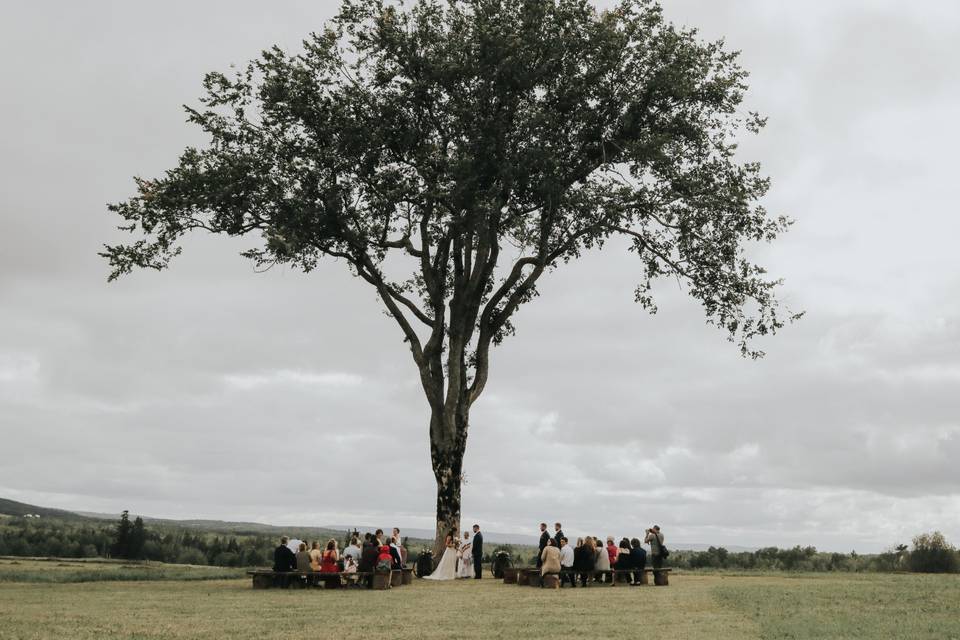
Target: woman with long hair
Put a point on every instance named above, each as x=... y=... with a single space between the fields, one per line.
x=328 y=562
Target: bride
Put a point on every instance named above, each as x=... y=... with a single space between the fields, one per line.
x=447 y=569
x=466 y=557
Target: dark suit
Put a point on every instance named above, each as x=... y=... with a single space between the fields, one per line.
x=477 y=548
x=556 y=538
x=283 y=560
x=368 y=561
x=544 y=541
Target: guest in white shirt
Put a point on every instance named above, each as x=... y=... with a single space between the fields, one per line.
x=353 y=550
x=566 y=563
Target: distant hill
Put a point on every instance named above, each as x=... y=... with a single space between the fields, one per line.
x=417 y=536
x=14 y=508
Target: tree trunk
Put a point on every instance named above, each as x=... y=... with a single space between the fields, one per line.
x=447 y=445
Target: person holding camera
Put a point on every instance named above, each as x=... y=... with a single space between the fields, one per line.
x=655 y=540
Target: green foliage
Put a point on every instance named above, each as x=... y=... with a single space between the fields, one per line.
x=796 y=559
x=444 y=131
x=480 y=144
x=88 y=538
x=933 y=554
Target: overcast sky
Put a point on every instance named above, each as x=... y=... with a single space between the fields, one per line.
x=212 y=391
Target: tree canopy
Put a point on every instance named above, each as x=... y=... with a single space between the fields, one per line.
x=451 y=153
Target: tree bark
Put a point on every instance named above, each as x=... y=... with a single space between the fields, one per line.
x=448 y=439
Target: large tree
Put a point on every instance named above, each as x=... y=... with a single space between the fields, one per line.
x=453 y=152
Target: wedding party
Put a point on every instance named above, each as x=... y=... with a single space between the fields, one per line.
x=420 y=319
x=589 y=559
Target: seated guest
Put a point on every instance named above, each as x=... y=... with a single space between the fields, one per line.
x=566 y=563
x=315 y=556
x=601 y=561
x=550 y=558
x=368 y=558
x=638 y=555
x=330 y=558
x=349 y=564
x=384 y=557
x=624 y=561
x=352 y=550
x=284 y=560
x=612 y=551
x=583 y=559
x=303 y=558
x=368 y=555
x=303 y=562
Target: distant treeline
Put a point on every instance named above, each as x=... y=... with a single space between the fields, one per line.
x=930 y=554
x=133 y=540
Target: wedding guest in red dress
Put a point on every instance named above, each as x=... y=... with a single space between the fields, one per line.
x=328 y=563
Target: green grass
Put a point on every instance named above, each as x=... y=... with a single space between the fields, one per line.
x=889 y=606
x=59 y=571
x=695 y=607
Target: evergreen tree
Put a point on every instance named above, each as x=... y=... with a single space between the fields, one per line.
x=122 y=536
x=138 y=536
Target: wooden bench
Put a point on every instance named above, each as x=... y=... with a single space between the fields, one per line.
x=531 y=576
x=266 y=578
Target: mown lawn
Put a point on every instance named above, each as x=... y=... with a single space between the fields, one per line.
x=694 y=606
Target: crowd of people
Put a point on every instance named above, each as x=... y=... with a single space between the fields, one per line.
x=590 y=558
x=376 y=552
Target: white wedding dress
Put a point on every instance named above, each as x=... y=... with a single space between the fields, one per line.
x=447 y=569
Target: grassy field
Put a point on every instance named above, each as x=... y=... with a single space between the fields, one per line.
x=715 y=606
x=55 y=570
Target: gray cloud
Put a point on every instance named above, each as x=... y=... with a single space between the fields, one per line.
x=212 y=391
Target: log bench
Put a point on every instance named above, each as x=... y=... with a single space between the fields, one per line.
x=266 y=578
x=531 y=577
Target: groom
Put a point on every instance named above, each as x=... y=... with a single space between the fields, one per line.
x=477 y=552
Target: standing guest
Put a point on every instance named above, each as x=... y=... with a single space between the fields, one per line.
x=558 y=536
x=284 y=560
x=477 y=552
x=601 y=562
x=624 y=561
x=583 y=559
x=566 y=563
x=400 y=547
x=395 y=552
x=612 y=551
x=378 y=534
x=638 y=555
x=544 y=539
x=655 y=540
x=549 y=559
x=315 y=556
x=330 y=557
